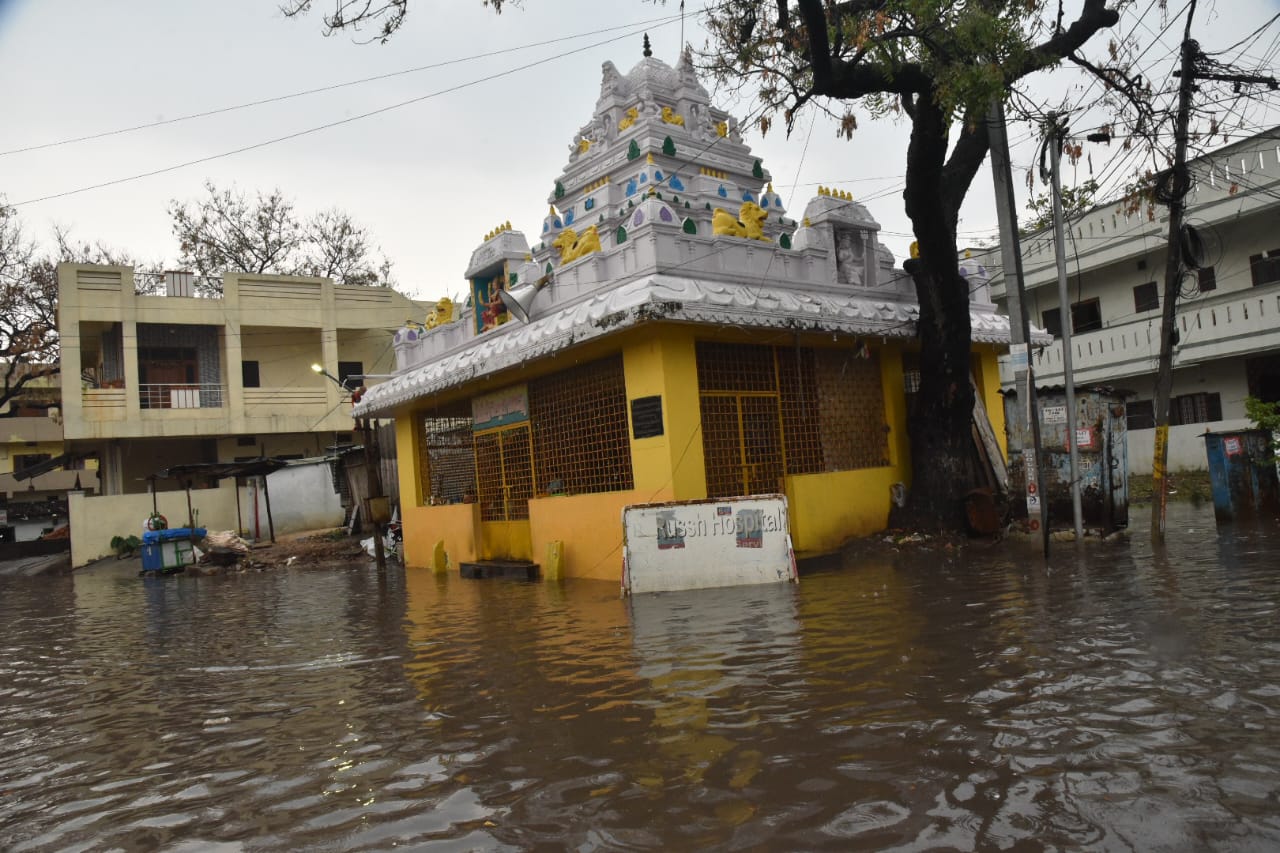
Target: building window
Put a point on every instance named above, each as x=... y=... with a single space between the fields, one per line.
x=1141 y=414
x=1265 y=268
x=1146 y=297
x=1086 y=316
x=246 y=440
x=249 y=372
x=1052 y=322
x=350 y=368
x=1195 y=409
x=23 y=461
x=1187 y=409
x=1208 y=279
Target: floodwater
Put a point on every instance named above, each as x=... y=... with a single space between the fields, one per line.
x=1118 y=701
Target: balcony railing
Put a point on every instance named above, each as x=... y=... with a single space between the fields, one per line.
x=1224 y=324
x=185 y=395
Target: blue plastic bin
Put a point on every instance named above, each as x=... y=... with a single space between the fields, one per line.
x=169 y=550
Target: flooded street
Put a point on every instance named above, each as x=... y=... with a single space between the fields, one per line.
x=1118 y=701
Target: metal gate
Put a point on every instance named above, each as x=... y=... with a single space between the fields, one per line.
x=742 y=444
x=504 y=473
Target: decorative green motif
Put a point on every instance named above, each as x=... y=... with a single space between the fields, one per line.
x=668 y=147
x=559 y=190
x=633 y=150
x=548 y=269
x=785 y=241
x=757 y=171
x=621 y=236
x=690 y=227
x=686 y=205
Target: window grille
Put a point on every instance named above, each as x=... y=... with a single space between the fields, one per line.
x=448 y=458
x=580 y=439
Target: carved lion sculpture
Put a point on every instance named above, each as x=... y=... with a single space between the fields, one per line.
x=671 y=117
x=751 y=224
x=629 y=119
x=572 y=246
x=441 y=314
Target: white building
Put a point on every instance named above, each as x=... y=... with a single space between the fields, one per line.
x=1228 y=313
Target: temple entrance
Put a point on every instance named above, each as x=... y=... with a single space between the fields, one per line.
x=504 y=484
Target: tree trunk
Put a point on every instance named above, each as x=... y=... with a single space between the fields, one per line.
x=939 y=425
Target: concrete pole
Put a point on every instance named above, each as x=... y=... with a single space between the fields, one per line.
x=1019 y=319
x=1064 y=307
x=1172 y=280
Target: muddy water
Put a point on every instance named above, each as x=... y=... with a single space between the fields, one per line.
x=1118 y=701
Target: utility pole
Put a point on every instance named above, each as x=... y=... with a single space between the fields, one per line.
x=1179 y=183
x=1056 y=135
x=1019 y=320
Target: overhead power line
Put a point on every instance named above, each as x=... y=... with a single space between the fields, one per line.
x=328 y=125
x=330 y=88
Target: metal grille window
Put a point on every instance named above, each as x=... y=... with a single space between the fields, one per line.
x=1195 y=409
x=504 y=473
x=766 y=411
x=448 y=458
x=580 y=440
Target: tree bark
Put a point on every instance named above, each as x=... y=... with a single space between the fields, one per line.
x=939 y=425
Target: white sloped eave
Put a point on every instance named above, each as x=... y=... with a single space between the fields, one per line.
x=659 y=297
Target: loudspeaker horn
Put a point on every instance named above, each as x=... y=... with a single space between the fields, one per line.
x=519 y=298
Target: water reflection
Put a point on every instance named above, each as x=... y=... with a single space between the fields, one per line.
x=1119 y=698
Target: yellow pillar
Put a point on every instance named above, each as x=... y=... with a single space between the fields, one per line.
x=669 y=466
x=987 y=374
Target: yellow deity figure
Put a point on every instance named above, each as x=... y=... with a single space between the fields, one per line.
x=584 y=145
x=751 y=224
x=722 y=129
x=629 y=119
x=572 y=246
x=671 y=117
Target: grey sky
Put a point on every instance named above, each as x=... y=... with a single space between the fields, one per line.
x=429 y=179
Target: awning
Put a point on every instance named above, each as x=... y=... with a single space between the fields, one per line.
x=221 y=470
x=46 y=466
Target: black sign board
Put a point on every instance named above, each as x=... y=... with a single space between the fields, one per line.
x=646 y=417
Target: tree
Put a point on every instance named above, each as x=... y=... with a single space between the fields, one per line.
x=28 y=319
x=29 y=299
x=1075 y=201
x=227 y=230
x=940 y=64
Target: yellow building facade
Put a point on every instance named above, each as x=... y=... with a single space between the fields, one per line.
x=672 y=336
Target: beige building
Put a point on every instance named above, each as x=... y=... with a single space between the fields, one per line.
x=155 y=376
x=31 y=441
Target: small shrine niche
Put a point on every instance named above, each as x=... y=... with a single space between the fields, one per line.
x=851 y=253
x=490 y=311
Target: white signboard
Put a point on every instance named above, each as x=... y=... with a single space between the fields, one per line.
x=1055 y=414
x=698 y=544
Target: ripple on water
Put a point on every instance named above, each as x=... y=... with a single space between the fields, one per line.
x=908 y=702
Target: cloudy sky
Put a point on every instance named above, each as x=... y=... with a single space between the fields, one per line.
x=494 y=101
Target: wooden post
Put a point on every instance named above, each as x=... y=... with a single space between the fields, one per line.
x=266 y=494
x=372 y=487
x=239 y=522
